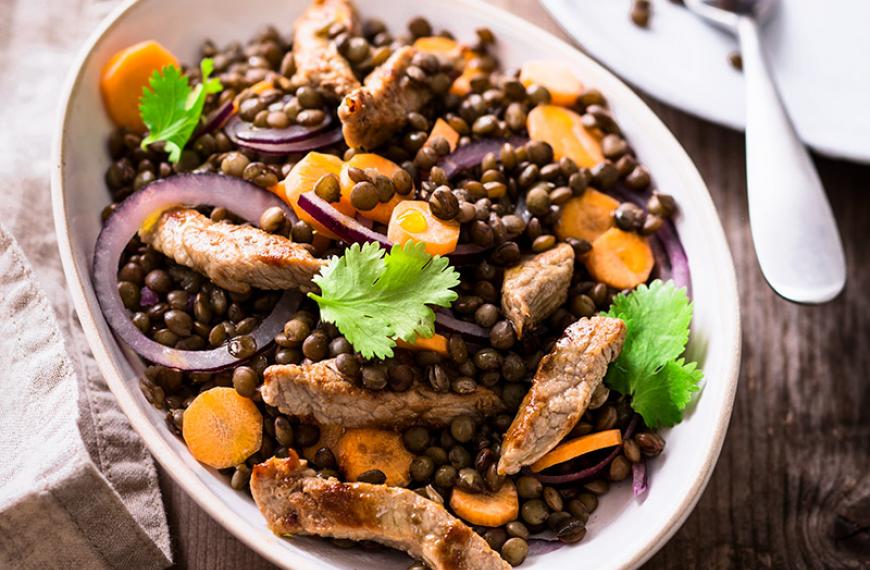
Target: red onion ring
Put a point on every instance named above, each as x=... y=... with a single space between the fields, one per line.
x=589 y=472
x=277 y=142
x=218 y=117
x=446 y=322
x=472 y=154
x=346 y=228
x=639 y=481
x=242 y=198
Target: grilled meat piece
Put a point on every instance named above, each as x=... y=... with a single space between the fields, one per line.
x=235 y=257
x=379 y=109
x=294 y=501
x=536 y=287
x=320 y=392
x=318 y=62
x=561 y=389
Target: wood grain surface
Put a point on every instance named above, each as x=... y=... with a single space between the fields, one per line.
x=792 y=488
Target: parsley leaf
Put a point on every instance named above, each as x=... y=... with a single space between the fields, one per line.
x=171 y=109
x=657 y=317
x=374 y=298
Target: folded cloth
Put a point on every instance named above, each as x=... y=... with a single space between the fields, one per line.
x=77 y=488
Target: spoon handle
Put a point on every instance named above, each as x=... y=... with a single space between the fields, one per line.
x=793 y=228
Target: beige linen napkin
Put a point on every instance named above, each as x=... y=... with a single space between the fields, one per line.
x=77 y=488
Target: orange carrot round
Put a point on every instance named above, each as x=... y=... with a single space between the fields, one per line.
x=302 y=178
x=620 y=259
x=222 y=428
x=487 y=509
x=412 y=220
x=586 y=216
x=124 y=76
x=564 y=131
x=380 y=213
x=558 y=78
x=364 y=449
x=577 y=447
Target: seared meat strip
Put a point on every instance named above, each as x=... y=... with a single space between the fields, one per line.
x=318 y=62
x=379 y=109
x=320 y=392
x=561 y=389
x=294 y=501
x=235 y=257
x=536 y=287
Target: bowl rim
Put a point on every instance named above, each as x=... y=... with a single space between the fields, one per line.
x=173 y=464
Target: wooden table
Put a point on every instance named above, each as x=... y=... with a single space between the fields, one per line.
x=792 y=487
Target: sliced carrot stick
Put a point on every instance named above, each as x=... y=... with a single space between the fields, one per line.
x=443 y=129
x=435 y=343
x=412 y=220
x=438 y=45
x=558 y=78
x=382 y=212
x=255 y=89
x=586 y=216
x=577 y=447
x=364 y=449
x=462 y=85
x=620 y=259
x=563 y=129
x=487 y=509
x=222 y=428
x=124 y=76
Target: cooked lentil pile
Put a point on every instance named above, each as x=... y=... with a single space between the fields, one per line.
x=509 y=203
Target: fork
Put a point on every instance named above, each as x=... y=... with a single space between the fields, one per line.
x=793 y=228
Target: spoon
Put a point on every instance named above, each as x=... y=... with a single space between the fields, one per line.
x=793 y=228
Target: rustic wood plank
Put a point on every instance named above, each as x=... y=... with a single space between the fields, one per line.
x=792 y=487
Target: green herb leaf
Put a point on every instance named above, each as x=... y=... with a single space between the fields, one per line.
x=171 y=109
x=657 y=317
x=374 y=298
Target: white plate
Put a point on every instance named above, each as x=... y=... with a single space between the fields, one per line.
x=817 y=50
x=623 y=532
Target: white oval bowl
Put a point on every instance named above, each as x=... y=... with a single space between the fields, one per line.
x=623 y=532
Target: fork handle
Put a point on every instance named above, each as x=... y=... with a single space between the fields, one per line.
x=793 y=228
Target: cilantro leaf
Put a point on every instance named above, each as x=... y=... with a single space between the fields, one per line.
x=171 y=109
x=375 y=298
x=657 y=317
x=662 y=398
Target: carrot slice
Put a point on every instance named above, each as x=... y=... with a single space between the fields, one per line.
x=255 y=89
x=413 y=220
x=438 y=45
x=462 y=85
x=329 y=436
x=620 y=259
x=560 y=81
x=124 y=76
x=577 y=447
x=587 y=216
x=564 y=131
x=303 y=177
x=443 y=129
x=222 y=428
x=487 y=509
x=435 y=343
x=364 y=449
x=382 y=212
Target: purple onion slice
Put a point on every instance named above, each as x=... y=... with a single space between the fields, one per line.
x=242 y=198
x=639 y=478
x=218 y=117
x=282 y=141
x=348 y=229
x=445 y=321
x=471 y=154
